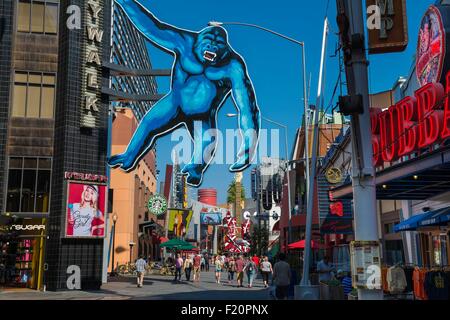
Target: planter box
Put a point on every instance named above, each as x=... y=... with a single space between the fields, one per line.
x=331 y=292
x=352 y=297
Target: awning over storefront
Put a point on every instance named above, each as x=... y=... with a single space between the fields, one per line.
x=427 y=219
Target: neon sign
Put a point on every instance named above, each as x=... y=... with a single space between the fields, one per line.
x=411 y=124
x=431 y=47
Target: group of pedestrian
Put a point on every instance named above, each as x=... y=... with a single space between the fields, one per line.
x=190 y=265
x=241 y=265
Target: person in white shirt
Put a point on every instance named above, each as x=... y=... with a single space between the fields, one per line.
x=141 y=265
x=83 y=214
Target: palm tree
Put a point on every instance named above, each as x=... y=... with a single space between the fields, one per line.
x=231 y=193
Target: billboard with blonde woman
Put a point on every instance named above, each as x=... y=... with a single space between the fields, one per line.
x=86 y=207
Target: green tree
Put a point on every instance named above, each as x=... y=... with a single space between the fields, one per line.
x=231 y=193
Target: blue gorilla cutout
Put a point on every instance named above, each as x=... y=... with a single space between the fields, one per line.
x=205 y=72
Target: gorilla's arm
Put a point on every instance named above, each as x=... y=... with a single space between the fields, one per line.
x=160 y=33
x=249 y=115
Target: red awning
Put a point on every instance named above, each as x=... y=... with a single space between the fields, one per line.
x=301 y=245
x=163 y=239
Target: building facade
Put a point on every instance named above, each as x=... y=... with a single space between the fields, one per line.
x=132 y=191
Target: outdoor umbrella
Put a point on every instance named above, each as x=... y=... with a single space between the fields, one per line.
x=177 y=244
x=301 y=245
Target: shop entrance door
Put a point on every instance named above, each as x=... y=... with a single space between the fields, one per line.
x=21 y=262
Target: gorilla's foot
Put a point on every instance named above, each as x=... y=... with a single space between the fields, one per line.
x=189 y=168
x=195 y=174
x=240 y=165
x=121 y=161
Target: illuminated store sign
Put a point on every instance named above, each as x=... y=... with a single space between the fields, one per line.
x=91 y=89
x=85 y=177
x=413 y=123
x=431 y=47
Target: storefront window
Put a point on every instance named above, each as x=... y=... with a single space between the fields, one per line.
x=29 y=185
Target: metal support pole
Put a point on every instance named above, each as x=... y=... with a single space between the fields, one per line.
x=363 y=172
x=306 y=123
x=312 y=175
x=113 y=273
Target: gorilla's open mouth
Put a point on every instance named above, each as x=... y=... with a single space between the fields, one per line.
x=210 y=56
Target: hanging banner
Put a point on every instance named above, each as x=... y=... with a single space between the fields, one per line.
x=179 y=222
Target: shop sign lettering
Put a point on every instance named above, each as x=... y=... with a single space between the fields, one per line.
x=411 y=124
x=93 y=63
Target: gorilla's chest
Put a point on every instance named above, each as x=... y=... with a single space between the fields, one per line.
x=187 y=67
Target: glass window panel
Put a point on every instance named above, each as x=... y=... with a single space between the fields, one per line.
x=15 y=163
x=51 y=18
x=35 y=78
x=30 y=163
x=43 y=191
x=21 y=77
x=19 y=100
x=48 y=102
x=28 y=190
x=13 y=197
x=45 y=163
x=34 y=97
x=48 y=79
x=37 y=17
x=23 y=16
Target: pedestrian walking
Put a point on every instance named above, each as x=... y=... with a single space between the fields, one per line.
x=178 y=266
x=141 y=265
x=250 y=270
x=188 y=264
x=218 y=266
x=282 y=277
x=240 y=264
x=266 y=270
x=202 y=263
x=197 y=266
x=231 y=270
x=207 y=262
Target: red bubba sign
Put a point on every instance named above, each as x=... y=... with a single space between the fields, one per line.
x=411 y=124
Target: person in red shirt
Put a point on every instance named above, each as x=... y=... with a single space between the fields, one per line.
x=240 y=263
x=197 y=264
x=255 y=259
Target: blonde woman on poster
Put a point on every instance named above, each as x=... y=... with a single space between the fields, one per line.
x=83 y=214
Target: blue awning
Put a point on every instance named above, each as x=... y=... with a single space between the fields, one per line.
x=431 y=218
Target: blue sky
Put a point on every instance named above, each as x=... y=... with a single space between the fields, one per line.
x=274 y=64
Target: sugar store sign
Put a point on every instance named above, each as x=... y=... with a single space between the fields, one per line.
x=92 y=63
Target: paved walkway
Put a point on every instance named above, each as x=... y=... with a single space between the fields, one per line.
x=155 y=288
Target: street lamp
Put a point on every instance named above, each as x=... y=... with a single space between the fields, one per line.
x=288 y=175
x=114 y=219
x=305 y=99
x=131 y=244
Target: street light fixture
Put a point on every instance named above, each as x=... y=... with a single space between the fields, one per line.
x=287 y=170
x=114 y=219
x=131 y=244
